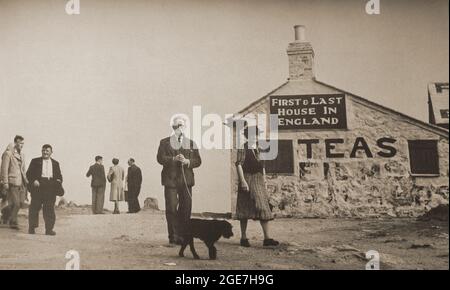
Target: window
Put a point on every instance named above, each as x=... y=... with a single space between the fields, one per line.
x=284 y=163
x=423 y=157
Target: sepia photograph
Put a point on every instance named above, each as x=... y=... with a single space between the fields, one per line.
x=224 y=135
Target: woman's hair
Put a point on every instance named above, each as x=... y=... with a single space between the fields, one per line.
x=47 y=146
x=115 y=161
x=18 y=138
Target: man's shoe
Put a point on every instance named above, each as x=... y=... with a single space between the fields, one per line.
x=245 y=243
x=31 y=231
x=50 y=233
x=270 y=243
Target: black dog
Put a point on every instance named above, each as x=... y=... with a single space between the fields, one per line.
x=209 y=231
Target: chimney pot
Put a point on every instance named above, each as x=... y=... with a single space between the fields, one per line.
x=301 y=56
x=300 y=33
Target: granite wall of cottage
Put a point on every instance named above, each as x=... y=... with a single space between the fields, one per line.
x=361 y=186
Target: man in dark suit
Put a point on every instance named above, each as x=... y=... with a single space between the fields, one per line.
x=98 y=185
x=179 y=156
x=45 y=179
x=134 y=182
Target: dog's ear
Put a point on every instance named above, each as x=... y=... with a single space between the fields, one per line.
x=227 y=231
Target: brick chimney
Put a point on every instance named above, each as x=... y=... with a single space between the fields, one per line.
x=301 y=56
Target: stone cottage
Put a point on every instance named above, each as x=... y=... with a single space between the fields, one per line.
x=341 y=155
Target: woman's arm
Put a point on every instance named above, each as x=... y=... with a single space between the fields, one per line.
x=242 y=182
x=240 y=158
x=110 y=174
x=265 y=177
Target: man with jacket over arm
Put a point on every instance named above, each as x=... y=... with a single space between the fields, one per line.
x=45 y=183
x=14 y=181
x=179 y=156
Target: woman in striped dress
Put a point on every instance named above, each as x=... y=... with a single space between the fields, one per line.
x=252 y=197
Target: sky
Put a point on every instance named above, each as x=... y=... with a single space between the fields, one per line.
x=106 y=81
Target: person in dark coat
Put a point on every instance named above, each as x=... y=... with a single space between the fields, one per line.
x=179 y=156
x=134 y=182
x=45 y=183
x=98 y=185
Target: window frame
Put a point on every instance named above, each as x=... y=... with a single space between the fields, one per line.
x=292 y=160
x=414 y=174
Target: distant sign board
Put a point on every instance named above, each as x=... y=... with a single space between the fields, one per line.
x=310 y=111
x=438 y=104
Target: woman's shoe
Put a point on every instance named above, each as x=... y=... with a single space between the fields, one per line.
x=245 y=243
x=270 y=243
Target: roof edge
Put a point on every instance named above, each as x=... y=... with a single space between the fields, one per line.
x=430 y=127
x=262 y=98
x=435 y=129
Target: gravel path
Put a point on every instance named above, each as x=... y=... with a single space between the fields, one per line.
x=139 y=241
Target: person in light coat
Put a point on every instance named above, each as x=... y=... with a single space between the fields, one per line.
x=14 y=181
x=116 y=176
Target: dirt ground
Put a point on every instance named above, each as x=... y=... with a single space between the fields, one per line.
x=139 y=241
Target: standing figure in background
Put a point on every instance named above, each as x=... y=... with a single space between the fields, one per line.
x=116 y=176
x=134 y=182
x=45 y=179
x=98 y=184
x=179 y=156
x=14 y=181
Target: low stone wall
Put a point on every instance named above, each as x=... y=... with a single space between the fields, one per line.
x=356 y=197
